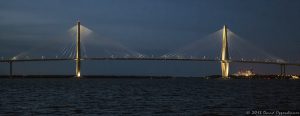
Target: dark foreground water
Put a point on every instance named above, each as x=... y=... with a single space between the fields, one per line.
x=179 y=96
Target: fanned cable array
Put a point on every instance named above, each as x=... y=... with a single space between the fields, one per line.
x=208 y=47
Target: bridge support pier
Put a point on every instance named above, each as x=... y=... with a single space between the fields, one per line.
x=282 y=70
x=78 y=55
x=10 y=68
x=225 y=54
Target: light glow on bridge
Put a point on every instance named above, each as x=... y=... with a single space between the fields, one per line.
x=78 y=74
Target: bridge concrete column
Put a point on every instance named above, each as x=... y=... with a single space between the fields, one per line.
x=78 y=55
x=10 y=68
x=284 y=66
x=282 y=70
x=225 y=54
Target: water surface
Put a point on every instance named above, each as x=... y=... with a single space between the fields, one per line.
x=181 y=96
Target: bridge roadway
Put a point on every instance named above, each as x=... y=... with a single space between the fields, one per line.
x=153 y=59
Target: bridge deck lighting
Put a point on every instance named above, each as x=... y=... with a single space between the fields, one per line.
x=295 y=77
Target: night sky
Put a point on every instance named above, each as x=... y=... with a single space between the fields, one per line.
x=152 y=27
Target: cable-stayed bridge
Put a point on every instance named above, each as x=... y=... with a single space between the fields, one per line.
x=77 y=48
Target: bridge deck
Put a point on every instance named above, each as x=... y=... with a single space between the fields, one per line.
x=154 y=59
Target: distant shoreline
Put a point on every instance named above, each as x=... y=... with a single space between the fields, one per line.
x=146 y=77
x=86 y=76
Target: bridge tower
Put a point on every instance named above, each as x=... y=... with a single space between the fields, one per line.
x=225 y=54
x=78 y=55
